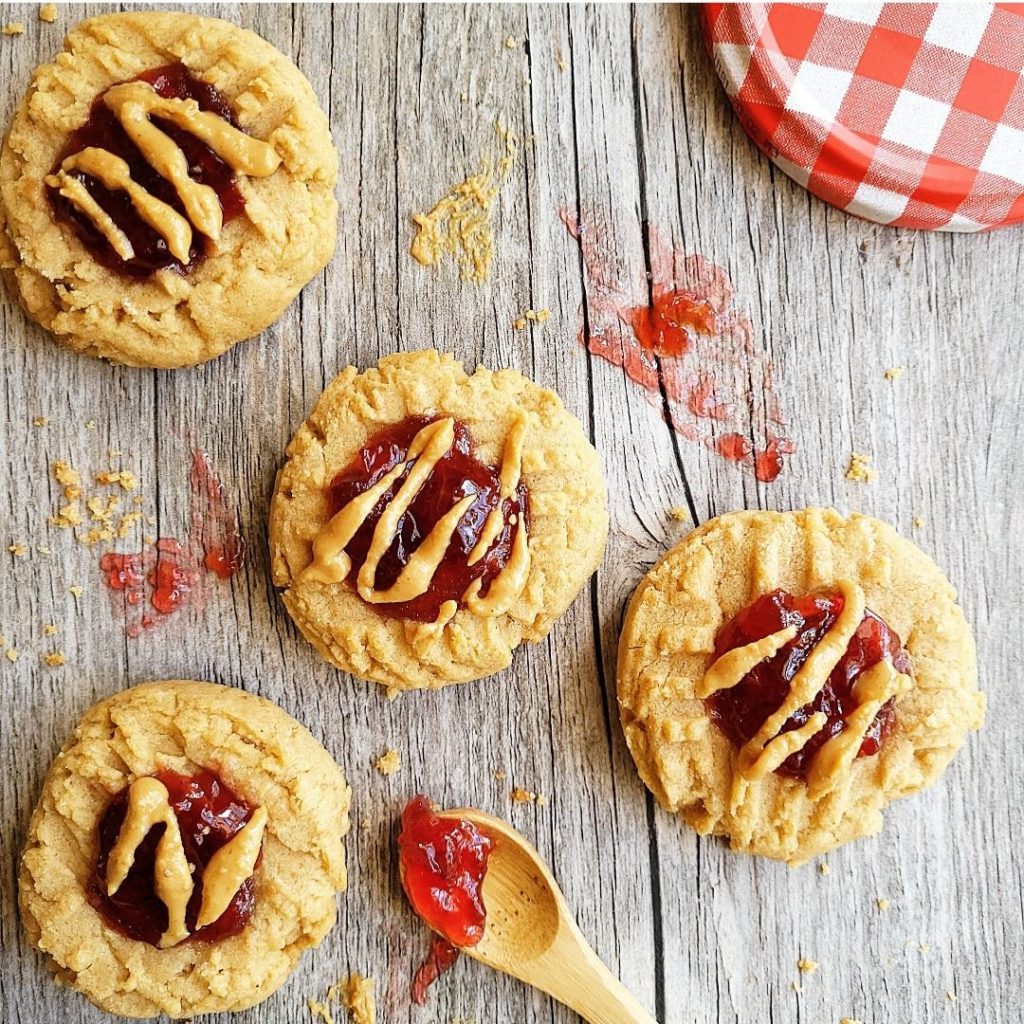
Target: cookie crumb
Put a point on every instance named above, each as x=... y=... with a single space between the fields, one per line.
x=320 y=1010
x=535 y=316
x=67 y=516
x=797 y=987
x=459 y=223
x=55 y=659
x=923 y=947
x=510 y=42
x=357 y=998
x=918 y=522
x=43 y=549
x=40 y=421
x=125 y=477
x=48 y=13
x=499 y=775
x=824 y=868
x=11 y=654
x=882 y=903
x=75 y=591
x=527 y=796
x=951 y=996
x=90 y=424
x=850 y=1020
x=66 y=475
x=860 y=468
x=563 y=64
x=18 y=550
x=49 y=629
x=364 y=825
x=679 y=514
x=13 y=28
x=806 y=965
x=388 y=763
x=894 y=372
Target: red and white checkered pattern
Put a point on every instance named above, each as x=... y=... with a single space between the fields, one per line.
x=905 y=114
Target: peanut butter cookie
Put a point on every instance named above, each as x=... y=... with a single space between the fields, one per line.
x=185 y=849
x=166 y=188
x=784 y=676
x=428 y=521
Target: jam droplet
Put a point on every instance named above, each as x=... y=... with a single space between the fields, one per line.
x=741 y=710
x=209 y=814
x=168 y=575
x=104 y=131
x=214 y=525
x=668 y=324
x=733 y=447
x=768 y=463
x=457 y=474
x=440 y=957
x=443 y=862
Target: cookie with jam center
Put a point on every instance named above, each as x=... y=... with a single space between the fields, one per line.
x=428 y=521
x=783 y=676
x=166 y=189
x=186 y=847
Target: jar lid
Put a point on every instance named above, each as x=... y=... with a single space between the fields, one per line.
x=905 y=114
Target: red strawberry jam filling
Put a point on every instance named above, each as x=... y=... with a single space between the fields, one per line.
x=443 y=862
x=209 y=814
x=458 y=474
x=741 y=710
x=104 y=131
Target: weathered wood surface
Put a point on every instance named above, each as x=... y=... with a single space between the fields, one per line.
x=637 y=132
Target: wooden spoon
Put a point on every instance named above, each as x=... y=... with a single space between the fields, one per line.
x=531 y=934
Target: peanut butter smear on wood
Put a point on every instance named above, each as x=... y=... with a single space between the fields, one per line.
x=459 y=225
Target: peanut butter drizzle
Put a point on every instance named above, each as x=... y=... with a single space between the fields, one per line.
x=511 y=471
x=767 y=750
x=421 y=633
x=133 y=104
x=507 y=585
x=873 y=689
x=813 y=675
x=417 y=573
x=114 y=173
x=149 y=805
x=730 y=669
x=229 y=867
x=331 y=564
x=78 y=195
x=785 y=744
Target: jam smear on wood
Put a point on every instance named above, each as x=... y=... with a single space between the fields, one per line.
x=443 y=864
x=457 y=474
x=668 y=324
x=440 y=957
x=741 y=710
x=103 y=130
x=209 y=814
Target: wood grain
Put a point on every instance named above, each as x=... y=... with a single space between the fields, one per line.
x=636 y=133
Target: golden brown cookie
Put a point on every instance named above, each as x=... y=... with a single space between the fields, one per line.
x=783 y=676
x=220 y=925
x=157 y=220
x=487 y=515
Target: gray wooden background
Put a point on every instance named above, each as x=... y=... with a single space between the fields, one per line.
x=635 y=130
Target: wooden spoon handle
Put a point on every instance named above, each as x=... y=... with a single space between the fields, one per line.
x=587 y=986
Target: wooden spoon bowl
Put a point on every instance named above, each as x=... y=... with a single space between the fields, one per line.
x=531 y=935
